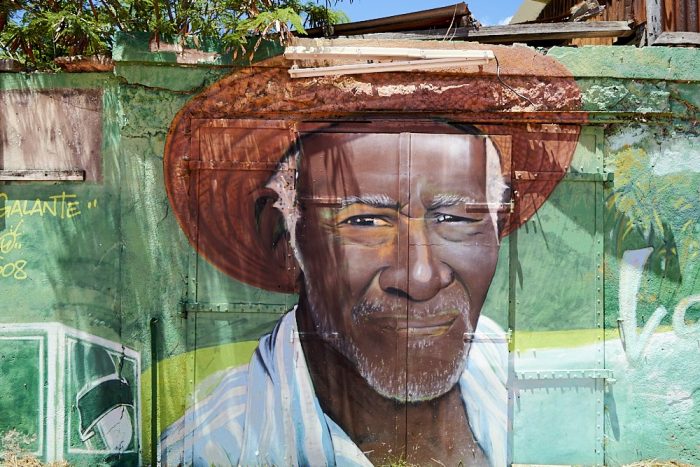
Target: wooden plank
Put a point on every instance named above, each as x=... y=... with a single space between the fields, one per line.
x=592 y=41
x=550 y=31
x=681 y=16
x=9 y=65
x=301 y=52
x=678 y=38
x=519 y=32
x=52 y=129
x=42 y=175
x=637 y=11
x=693 y=24
x=669 y=23
x=384 y=67
x=654 y=18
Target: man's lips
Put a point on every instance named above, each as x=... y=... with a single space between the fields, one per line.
x=434 y=325
x=426 y=331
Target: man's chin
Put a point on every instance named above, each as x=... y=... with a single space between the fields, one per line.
x=415 y=391
x=427 y=384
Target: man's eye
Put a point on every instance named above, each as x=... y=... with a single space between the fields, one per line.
x=440 y=218
x=365 y=221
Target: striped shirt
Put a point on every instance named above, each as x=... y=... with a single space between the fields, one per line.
x=267 y=413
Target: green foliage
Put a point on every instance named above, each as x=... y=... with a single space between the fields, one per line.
x=35 y=32
x=318 y=16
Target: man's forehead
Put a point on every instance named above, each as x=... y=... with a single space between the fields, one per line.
x=350 y=142
x=351 y=164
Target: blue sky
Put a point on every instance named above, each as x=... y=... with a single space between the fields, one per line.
x=489 y=12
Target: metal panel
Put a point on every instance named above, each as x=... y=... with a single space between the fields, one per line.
x=414 y=233
x=222 y=154
x=400 y=228
x=349 y=185
x=561 y=383
x=468 y=246
x=225 y=318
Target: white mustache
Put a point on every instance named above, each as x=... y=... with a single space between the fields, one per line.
x=368 y=308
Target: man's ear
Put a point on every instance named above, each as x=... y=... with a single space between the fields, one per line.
x=272 y=231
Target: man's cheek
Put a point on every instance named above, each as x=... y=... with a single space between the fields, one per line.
x=362 y=264
x=473 y=265
x=477 y=257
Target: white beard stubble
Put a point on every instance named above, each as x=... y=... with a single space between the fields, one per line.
x=381 y=375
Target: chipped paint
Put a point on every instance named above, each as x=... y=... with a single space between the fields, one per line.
x=594 y=253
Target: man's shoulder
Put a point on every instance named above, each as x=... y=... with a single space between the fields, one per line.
x=223 y=380
x=217 y=413
x=213 y=430
x=484 y=392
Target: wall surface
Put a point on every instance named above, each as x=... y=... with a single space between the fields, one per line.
x=134 y=300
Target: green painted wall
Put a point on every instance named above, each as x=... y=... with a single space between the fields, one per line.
x=115 y=270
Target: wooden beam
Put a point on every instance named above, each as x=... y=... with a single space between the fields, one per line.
x=519 y=32
x=654 y=25
x=42 y=175
x=678 y=38
x=9 y=65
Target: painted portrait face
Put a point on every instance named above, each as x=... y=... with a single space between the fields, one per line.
x=398 y=247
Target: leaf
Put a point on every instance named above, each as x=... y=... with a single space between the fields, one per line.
x=37 y=31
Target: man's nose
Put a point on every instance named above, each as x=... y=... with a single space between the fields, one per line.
x=417 y=272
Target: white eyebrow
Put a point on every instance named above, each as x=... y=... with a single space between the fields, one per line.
x=376 y=201
x=447 y=200
x=385 y=201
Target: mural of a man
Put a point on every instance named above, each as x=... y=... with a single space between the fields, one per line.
x=395 y=274
x=396 y=229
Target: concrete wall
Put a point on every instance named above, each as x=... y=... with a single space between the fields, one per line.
x=112 y=326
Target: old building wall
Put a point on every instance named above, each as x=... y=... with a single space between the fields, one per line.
x=113 y=327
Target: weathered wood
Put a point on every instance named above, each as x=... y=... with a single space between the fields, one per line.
x=669 y=15
x=678 y=38
x=52 y=129
x=519 y=32
x=693 y=19
x=42 y=175
x=9 y=65
x=654 y=23
x=85 y=64
x=552 y=31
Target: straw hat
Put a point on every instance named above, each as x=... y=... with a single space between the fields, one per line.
x=226 y=142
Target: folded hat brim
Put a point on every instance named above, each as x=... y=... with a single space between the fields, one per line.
x=226 y=142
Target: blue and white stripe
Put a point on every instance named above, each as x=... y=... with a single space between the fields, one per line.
x=267 y=413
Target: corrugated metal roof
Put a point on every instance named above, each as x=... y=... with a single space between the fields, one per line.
x=444 y=17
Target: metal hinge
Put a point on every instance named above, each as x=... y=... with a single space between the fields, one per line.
x=243 y=307
x=324 y=335
x=604 y=374
x=506 y=337
x=605 y=177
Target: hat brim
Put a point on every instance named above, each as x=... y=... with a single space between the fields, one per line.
x=225 y=144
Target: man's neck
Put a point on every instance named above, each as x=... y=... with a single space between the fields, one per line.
x=385 y=429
